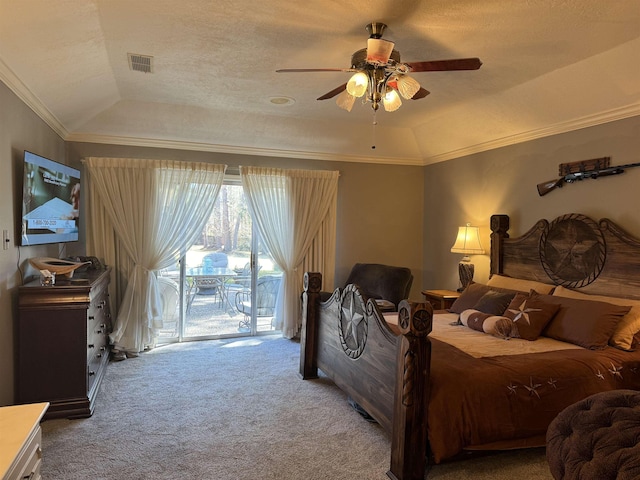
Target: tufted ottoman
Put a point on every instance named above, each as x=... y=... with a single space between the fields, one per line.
x=597 y=438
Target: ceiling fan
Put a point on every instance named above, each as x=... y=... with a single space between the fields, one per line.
x=380 y=76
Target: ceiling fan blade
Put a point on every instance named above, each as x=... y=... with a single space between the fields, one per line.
x=294 y=70
x=333 y=92
x=420 y=94
x=445 y=65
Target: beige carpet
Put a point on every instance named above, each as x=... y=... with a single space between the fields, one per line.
x=235 y=409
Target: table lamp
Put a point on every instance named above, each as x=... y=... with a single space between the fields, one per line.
x=467 y=243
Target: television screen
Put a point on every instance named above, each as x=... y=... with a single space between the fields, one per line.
x=50 y=201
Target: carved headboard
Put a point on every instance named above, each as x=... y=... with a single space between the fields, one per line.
x=573 y=251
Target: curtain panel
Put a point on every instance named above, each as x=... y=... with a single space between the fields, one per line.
x=289 y=209
x=156 y=210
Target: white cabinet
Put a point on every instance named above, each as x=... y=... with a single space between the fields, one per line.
x=21 y=441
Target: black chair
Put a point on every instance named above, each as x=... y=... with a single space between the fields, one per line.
x=387 y=284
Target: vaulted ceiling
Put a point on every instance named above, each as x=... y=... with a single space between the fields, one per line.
x=549 y=66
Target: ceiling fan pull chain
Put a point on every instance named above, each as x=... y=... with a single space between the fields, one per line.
x=373 y=133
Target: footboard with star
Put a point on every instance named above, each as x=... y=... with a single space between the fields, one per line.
x=384 y=371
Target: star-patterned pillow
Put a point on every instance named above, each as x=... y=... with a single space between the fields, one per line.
x=530 y=314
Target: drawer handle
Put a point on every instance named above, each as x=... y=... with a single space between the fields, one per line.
x=91 y=345
x=29 y=477
x=91 y=317
x=91 y=373
x=103 y=348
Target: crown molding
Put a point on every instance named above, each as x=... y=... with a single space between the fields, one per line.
x=236 y=150
x=558 y=128
x=11 y=80
x=608 y=116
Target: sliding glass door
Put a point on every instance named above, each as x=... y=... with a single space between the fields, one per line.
x=226 y=285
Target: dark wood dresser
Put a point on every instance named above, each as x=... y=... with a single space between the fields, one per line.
x=62 y=342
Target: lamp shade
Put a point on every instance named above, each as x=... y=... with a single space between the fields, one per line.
x=407 y=86
x=357 y=84
x=468 y=241
x=345 y=100
x=379 y=50
x=391 y=100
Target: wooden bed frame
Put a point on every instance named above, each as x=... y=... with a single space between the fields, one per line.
x=386 y=371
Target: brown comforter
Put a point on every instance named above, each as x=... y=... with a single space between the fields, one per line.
x=508 y=401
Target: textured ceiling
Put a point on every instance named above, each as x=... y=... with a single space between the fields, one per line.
x=549 y=66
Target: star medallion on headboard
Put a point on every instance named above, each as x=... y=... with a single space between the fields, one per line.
x=573 y=250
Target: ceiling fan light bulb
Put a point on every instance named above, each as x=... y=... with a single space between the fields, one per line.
x=345 y=101
x=391 y=100
x=357 y=84
x=407 y=86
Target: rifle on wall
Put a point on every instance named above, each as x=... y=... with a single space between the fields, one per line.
x=575 y=171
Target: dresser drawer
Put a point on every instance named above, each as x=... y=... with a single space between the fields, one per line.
x=97 y=335
x=33 y=458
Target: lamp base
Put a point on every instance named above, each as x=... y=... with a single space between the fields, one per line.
x=465 y=271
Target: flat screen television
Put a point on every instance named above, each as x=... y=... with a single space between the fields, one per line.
x=50 y=201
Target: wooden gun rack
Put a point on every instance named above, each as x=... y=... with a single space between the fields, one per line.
x=584 y=166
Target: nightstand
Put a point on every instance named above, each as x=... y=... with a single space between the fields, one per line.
x=440 y=299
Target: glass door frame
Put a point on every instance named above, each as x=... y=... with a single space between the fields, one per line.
x=254 y=260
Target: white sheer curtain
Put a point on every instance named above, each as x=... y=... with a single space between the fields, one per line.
x=157 y=209
x=288 y=207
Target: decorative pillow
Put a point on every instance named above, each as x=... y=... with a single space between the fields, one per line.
x=627 y=328
x=519 y=284
x=486 y=323
x=530 y=314
x=494 y=302
x=469 y=297
x=472 y=295
x=587 y=323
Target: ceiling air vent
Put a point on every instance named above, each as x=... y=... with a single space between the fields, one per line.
x=140 y=63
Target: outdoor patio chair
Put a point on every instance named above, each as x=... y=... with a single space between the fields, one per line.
x=266 y=295
x=209 y=285
x=215 y=260
x=170 y=296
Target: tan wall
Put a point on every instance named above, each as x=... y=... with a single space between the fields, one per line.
x=504 y=180
x=20 y=129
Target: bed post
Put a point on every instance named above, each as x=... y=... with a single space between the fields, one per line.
x=411 y=400
x=499 y=228
x=309 y=331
